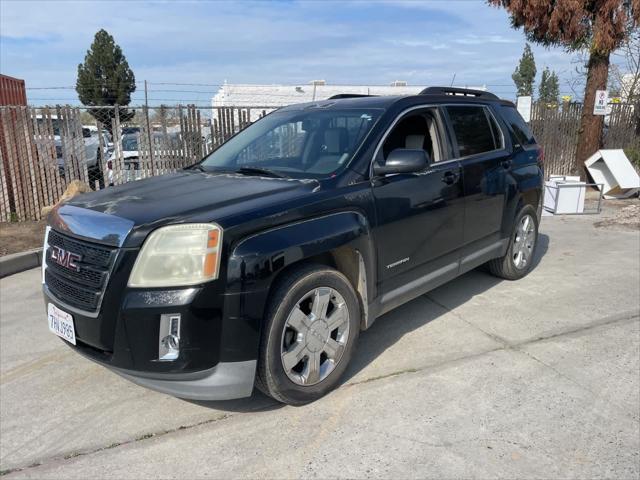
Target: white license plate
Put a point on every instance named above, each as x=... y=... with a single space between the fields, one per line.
x=61 y=323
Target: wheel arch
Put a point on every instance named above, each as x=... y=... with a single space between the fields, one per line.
x=528 y=190
x=340 y=240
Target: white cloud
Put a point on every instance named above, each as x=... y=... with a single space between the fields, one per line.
x=264 y=42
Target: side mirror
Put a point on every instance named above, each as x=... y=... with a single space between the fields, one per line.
x=403 y=160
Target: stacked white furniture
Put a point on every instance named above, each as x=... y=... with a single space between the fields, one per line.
x=614 y=171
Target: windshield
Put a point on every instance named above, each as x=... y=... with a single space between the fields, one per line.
x=309 y=143
x=129 y=143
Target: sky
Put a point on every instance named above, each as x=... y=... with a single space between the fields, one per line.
x=186 y=49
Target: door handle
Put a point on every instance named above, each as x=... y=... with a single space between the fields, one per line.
x=450 y=178
x=506 y=164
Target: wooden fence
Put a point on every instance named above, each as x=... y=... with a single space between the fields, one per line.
x=556 y=129
x=31 y=177
x=43 y=149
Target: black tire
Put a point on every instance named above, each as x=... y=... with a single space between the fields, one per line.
x=271 y=378
x=505 y=267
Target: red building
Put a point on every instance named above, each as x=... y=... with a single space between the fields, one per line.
x=12 y=91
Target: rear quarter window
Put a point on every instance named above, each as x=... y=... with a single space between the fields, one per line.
x=474 y=129
x=520 y=129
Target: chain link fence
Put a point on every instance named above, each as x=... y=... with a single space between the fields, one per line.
x=44 y=149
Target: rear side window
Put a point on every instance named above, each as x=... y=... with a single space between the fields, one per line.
x=520 y=128
x=474 y=129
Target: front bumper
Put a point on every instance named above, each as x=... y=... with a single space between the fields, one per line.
x=191 y=376
x=225 y=381
x=219 y=330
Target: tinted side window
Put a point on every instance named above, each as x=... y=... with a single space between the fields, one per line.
x=472 y=130
x=518 y=125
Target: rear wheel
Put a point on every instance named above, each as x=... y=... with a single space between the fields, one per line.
x=518 y=260
x=312 y=326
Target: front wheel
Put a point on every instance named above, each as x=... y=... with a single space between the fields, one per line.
x=312 y=326
x=518 y=260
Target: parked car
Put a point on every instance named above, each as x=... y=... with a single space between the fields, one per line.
x=129 y=130
x=261 y=264
x=93 y=154
x=131 y=155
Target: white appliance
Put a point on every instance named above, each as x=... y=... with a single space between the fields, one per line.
x=613 y=169
x=564 y=195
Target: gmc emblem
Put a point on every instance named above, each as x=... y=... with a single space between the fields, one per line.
x=66 y=259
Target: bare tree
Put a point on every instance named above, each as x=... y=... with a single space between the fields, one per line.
x=626 y=75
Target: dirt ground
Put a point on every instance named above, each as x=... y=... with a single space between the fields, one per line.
x=627 y=217
x=20 y=236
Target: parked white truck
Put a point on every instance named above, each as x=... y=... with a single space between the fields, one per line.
x=91 y=140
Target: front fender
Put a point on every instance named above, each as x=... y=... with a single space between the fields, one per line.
x=255 y=262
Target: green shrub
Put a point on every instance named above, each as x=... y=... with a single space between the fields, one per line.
x=633 y=154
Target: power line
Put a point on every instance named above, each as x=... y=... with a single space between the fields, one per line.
x=100 y=83
x=189 y=84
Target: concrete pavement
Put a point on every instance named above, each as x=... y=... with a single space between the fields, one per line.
x=479 y=378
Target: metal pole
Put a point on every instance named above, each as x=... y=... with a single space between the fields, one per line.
x=149 y=135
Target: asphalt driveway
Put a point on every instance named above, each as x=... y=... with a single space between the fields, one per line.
x=479 y=378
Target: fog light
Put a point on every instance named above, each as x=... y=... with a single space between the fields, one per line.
x=169 y=337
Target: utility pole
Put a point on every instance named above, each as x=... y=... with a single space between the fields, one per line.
x=149 y=134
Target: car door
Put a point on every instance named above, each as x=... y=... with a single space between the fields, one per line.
x=419 y=215
x=480 y=146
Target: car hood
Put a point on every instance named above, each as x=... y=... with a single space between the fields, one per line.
x=190 y=196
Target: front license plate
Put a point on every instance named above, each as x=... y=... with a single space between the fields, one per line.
x=61 y=323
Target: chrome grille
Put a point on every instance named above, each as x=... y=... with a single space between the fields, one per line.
x=82 y=287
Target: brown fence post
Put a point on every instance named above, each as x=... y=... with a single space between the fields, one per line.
x=5 y=208
x=118 y=163
x=32 y=163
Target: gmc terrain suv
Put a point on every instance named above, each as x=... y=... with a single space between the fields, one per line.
x=261 y=264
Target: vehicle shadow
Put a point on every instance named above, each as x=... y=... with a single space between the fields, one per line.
x=257 y=402
x=390 y=328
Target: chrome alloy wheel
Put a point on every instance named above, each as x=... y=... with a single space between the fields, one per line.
x=315 y=335
x=524 y=241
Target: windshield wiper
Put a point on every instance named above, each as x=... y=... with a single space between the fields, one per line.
x=198 y=167
x=259 y=171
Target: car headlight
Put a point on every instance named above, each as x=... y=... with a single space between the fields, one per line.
x=178 y=255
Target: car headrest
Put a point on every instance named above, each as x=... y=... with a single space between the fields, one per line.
x=335 y=140
x=414 y=142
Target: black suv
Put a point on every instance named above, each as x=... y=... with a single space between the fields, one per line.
x=262 y=263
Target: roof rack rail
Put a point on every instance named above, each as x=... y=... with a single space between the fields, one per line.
x=349 y=95
x=455 y=91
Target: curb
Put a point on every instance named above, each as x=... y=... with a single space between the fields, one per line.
x=19 y=262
